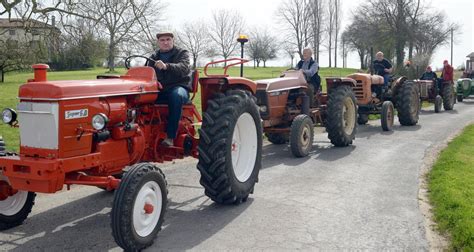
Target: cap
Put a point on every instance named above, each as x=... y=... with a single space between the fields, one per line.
x=161 y=34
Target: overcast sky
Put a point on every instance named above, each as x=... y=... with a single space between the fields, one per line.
x=262 y=12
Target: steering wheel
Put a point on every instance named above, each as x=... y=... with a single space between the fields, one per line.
x=129 y=59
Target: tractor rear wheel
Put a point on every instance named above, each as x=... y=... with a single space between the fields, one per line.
x=362 y=119
x=460 y=98
x=301 y=135
x=408 y=104
x=139 y=207
x=386 y=117
x=438 y=103
x=448 y=97
x=278 y=138
x=230 y=147
x=341 y=116
x=15 y=206
x=2 y=147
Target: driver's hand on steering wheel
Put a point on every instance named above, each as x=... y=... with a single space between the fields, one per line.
x=160 y=65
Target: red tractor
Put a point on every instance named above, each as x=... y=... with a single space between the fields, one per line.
x=108 y=132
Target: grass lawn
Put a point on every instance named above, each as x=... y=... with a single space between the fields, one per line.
x=9 y=89
x=451 y=188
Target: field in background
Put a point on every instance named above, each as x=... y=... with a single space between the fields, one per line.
x=9 y=89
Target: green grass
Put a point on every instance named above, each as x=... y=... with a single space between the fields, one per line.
x=451 y=188
x=9 y=89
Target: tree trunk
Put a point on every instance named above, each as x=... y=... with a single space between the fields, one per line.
x=3 y=75
x=195 y=57
x=111 y=57
x=264 y=64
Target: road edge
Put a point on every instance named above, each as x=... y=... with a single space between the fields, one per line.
x=436 y=240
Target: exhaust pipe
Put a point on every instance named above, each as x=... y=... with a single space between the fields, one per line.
x=40 y=71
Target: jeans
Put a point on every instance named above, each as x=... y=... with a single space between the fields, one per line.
x=175 y=97
x=386 y=80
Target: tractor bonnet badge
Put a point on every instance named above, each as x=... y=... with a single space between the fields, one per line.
x=74 y=114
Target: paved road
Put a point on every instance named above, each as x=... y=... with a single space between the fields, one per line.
x=359 y=197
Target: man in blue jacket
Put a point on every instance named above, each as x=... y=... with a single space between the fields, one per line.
x=382 y=67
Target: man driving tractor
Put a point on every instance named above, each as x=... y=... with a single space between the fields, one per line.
x=382 y=67
x=429 y=74
x=172 y=67
x=310 y=69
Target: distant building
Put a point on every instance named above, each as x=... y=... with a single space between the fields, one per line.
x=32 y=32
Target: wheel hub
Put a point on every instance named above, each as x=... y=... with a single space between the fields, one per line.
x=145 y=218
x=6 y=190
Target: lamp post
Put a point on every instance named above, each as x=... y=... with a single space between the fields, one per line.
x=242 y=40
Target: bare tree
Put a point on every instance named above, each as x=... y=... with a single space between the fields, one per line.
x=317 y=22
x=337 y=26
x=330 y=28
x=35 y=8
x=224 y=30
x=124 y=22
x=290 y=50
x=262 y=46
x=296 y=16
x=195 y=38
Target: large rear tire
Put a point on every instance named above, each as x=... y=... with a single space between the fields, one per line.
x=139 y=207
x=278 y=138
x=15 y=208
x=408 y=106
x=341 y=116
x=230 y=148
x=301 y=136
x=448 y=97
x=386 y=117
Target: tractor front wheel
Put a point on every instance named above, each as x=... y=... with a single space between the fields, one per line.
x=386 y=116
x=15 y=206
x=341 y=116
x=139 y=206
x=301 y=136
x=448 y=97
x=438 y=103
x=230 y=147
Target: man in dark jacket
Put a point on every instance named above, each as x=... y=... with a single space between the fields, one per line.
x=310 y=69
x=429 y=74
x=383 y=68
x=172 y=66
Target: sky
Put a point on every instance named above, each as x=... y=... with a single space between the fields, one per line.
x=263 y=13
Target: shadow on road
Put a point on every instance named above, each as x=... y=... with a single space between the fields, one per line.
x=85 y=223
x=58 y=228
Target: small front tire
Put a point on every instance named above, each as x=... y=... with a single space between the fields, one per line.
x=139 y=207
x=301 y=136
x=386 y=116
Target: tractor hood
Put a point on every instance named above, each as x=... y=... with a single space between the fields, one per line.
x=290 y=80
x=136 y=81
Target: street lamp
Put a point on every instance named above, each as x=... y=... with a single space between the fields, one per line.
x=242 y=39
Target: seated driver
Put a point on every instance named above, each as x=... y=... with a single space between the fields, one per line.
x=310 y=69
x=383 y=68
x=173 y=70
x=429 y=74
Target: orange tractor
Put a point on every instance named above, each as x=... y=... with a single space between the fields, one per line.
x=108 y=132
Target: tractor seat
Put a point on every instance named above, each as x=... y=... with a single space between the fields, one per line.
x=376 y=80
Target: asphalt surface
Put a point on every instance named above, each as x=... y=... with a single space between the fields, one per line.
x=360 y=197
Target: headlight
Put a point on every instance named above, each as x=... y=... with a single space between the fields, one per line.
x=8 y=116
x=263 y=109
x=99 y=121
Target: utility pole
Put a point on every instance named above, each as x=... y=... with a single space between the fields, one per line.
x=452 y=40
